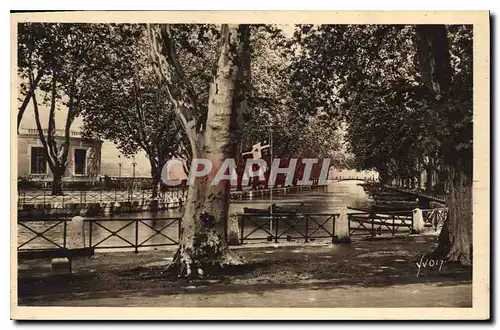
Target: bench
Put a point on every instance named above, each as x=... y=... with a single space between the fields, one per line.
x=56 y=253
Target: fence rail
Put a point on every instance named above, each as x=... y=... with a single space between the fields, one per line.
x=435 y=218
x=50 y=234
x=143 y=232
x=99 y=196
x=278 y=226
x=373 y=223
x=377 y=223
x=138 y=233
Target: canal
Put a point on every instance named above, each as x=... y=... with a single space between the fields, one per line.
x=329 y=199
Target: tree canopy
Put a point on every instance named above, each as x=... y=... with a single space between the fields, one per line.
x=371 y=77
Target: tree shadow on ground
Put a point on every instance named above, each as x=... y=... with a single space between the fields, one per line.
x=362 y=264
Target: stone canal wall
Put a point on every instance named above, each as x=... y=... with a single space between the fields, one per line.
x=57 y=209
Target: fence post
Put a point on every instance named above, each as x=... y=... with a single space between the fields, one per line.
x=307 y=229
x=179 y=231
x=276 y=229
x=372 y=215
x=242 y=227
x=44 y=197
x=393 y=225
x=136 y=236
x=334 y=218
x=349 y=224
x=90 y=233
x=64 y=233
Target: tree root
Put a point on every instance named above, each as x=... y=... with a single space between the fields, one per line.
x=207 y=255
x=451 y=252
x=459 y=256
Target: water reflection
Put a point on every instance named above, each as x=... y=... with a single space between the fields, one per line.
x=331 y=199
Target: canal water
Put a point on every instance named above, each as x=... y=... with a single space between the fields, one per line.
x=158 y=229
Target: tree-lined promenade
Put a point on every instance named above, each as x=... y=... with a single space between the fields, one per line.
x=391 y=98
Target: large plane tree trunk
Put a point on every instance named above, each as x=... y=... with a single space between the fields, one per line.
x=455 y=240
x=203 y=247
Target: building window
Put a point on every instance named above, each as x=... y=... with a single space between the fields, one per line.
x=80 y=161
x=38 y=161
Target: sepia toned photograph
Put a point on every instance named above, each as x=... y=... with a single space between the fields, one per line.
x=176 y=161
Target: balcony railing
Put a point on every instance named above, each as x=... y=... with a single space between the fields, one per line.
x=57 y=132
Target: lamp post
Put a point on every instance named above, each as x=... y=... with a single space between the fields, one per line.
x=133 y=167
x=119 y=166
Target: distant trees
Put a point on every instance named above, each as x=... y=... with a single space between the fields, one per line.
x=127 y=106
x=368 y=79
x=405 y=93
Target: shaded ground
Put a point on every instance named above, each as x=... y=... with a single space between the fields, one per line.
x=365 y=273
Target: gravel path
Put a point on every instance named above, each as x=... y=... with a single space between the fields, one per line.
x=365 y=273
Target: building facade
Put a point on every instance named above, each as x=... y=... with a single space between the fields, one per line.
x=84 y=157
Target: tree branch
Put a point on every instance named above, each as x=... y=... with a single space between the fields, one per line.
x=51 y=126
x=39 y=125
x=166 y=66
x=27 y=98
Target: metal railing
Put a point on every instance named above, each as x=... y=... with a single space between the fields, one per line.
x=52 y=233
x=100 y=196
x=418 y=192
x=378 y=223
x=373 y=223
x=289 y=226
x=435 y=218
x=140 y=233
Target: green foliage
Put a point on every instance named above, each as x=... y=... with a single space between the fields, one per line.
x=296 y=131
x=369 y=76
x=127 y=106
x=57 y=61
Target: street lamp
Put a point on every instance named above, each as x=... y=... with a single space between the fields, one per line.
x=133 y=166
x=119 y=166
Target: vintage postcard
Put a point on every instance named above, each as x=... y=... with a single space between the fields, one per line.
x=250 y=165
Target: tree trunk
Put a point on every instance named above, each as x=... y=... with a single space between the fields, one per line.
x=430 y=176
x=455 y=239
x=203 y=247
x=384 y=177
x=240 y=171
x=156 y=178
x=57 y=175
x=27 y=98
